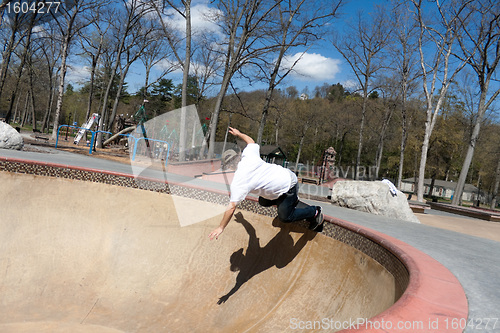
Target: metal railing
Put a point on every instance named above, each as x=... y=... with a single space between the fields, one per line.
x=93 y=135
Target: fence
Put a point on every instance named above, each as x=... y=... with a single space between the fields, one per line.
x=136 y=140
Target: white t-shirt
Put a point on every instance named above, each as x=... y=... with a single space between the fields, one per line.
x=254 y=175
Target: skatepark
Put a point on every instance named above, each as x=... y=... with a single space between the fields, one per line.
x=124 y=263
x=90 y=247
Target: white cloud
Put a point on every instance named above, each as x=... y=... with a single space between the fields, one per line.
x=350 y=85
x=174 y=68
x=168 y=65
x=312 y=66
x=77 y=74
x=201 y=15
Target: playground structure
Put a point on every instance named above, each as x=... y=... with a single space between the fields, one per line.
x=94 y=119
x=155 y=139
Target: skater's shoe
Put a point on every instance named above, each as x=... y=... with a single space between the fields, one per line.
x=316 y=223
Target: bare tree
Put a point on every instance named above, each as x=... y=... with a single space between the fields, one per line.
x=205 y=66
x=496 y=186
x=404 y=51
x=49 y=47
x=299 y=23
x=2 y=8
x=185 y=77
x=93 y=43
x=69 y=23
x=154 y=53
x=134 y=11
x=17 y=27
x=29 y=25
x=442 y=38
x=389 y=106
x=31 y=63
x=362 y=47
x=480 y=49
x=139 y=40
x=184 y=10
x=244 y=24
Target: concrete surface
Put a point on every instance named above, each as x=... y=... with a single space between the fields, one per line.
x=475 y=261
x=90 y=257
x=461 y=224
x=470 y=256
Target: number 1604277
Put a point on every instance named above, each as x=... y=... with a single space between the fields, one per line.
x=33 y=7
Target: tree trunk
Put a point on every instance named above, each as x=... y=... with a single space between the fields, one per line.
x=432 y=113
x=443 y=47
x=298 y=154
x=276 y=125
x=91 y=88
x=361 y=130
x=380 y=150
x=60 y=94
x=459 y=189
x=33 y=115
x=215 y=115
x=269 y=95
x=301 y=144
x=431 y=186
x=25 y=110
x=117 y=135
x=423 y=161
x=185 y=78
x=404 y=136
x=111 y=120
x=68 y=35
x=20 y=70
x=6 y=56
x=16 y=111
x=103 y=118
x=495 y=189
x=265 y=108
x=46 y=117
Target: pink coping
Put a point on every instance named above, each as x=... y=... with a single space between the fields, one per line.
x=434 y=300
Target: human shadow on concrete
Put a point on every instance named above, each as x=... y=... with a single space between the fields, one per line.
x=279 y=252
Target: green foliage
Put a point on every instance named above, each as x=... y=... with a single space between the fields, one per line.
x=193 y=92
x=333 y=121
x=337 y=93
x=373 y=95
x=163 y=90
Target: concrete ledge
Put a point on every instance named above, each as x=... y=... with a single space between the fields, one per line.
x=418 y=207
x=467 y=211
x=434 y=300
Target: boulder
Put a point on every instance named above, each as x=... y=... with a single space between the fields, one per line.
x=9 y=137
x=375 y=197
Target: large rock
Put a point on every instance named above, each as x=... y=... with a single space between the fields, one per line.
x=9 y=137
x=376 y=197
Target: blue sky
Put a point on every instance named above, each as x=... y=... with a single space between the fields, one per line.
x=320 y=64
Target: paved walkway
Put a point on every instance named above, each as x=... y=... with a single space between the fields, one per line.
x=473 y=260
x=469 y=248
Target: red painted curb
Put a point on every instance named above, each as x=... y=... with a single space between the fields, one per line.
x=434 y=300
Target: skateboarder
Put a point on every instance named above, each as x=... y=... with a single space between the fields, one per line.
x=274 y=184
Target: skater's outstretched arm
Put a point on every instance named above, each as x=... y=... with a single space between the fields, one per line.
x=240 y=135
x=228 y=214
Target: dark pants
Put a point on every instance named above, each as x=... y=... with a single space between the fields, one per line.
x=290 y=209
